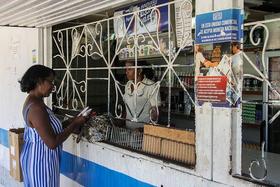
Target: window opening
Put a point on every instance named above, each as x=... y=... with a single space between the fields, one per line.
x=93 y=62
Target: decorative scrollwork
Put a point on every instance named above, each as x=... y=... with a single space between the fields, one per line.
x=156 y=20
x=131 y=41
x=60 y=101
x=119 y=111
x=99 y=32
x=139 y=40
x=77 y=86
x=258 y=42
x=75 y=103
x=264 y=74
x=82 y=85
x=123 y=36
x=58 y=40
x=93 y=33
x=89 y=40
x=257 y=162
x=154 y=114
x=118 y=106
x=83 y=51
x=76 y=38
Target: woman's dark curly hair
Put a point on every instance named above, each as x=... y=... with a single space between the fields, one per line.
x=33 y=76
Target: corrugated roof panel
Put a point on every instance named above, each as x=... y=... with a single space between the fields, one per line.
x=65 y=11
x=31 y=10
x=42 y=13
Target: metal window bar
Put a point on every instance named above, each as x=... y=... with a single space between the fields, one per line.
x=94 y=33
x=264 y=77
x=86 y=41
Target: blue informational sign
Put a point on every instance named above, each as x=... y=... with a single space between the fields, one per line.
x=219 y=26
x=149 y=18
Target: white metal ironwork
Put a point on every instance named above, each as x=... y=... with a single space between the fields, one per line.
x=262 y=76
x=258 y=163
x=87 y=41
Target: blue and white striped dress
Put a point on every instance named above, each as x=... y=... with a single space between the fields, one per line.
x=40 y=164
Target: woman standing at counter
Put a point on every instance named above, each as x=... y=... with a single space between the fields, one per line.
x=146 y=93
x=43 y=134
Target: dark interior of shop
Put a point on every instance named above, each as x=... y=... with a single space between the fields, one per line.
x=257 y=10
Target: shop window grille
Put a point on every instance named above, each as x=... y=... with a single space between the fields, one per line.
x=86 y=57
x=261 y=115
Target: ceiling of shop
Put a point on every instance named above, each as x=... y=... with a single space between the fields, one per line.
x=42 y=13
x=257 y=10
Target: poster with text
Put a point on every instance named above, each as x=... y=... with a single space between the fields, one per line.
x=219 y=26
x=149 y=19
x=218 y=74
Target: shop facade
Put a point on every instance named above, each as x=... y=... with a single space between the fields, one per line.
x=196 y=138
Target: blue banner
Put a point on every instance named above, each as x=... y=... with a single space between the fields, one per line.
x=219 y=26
x=151 y=20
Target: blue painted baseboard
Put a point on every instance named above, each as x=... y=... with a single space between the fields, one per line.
x=90 y=174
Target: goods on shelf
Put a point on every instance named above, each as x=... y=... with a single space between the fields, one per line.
x=251 y=114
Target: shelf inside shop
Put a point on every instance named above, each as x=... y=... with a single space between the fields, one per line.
x=179 y=88
x=252 y=92
x=143 y=57
x=252 y=49
x=252 y=125
x=178 y=113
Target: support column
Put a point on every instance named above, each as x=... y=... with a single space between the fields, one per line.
x=218 y=138
x=45 y=52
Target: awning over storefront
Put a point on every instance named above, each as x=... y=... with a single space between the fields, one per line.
x=42 y=13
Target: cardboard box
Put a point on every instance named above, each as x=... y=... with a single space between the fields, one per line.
x=170 y=143
x=16 y=142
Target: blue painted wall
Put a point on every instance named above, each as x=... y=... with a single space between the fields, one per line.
x=88 y=173
x=4 y=137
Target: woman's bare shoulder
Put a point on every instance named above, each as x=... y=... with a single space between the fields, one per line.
x=34 y=103
x=36 y=111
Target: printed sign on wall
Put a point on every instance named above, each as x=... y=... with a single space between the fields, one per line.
x=211 y=88
x=218 y=74
x=34 y=56
x=219 y=26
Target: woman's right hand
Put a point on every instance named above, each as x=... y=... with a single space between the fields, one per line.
x=80 y=120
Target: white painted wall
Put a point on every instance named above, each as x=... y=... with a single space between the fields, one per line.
x=16 y=45
x=203 y=130
x=144 y=168
x=15 y=57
